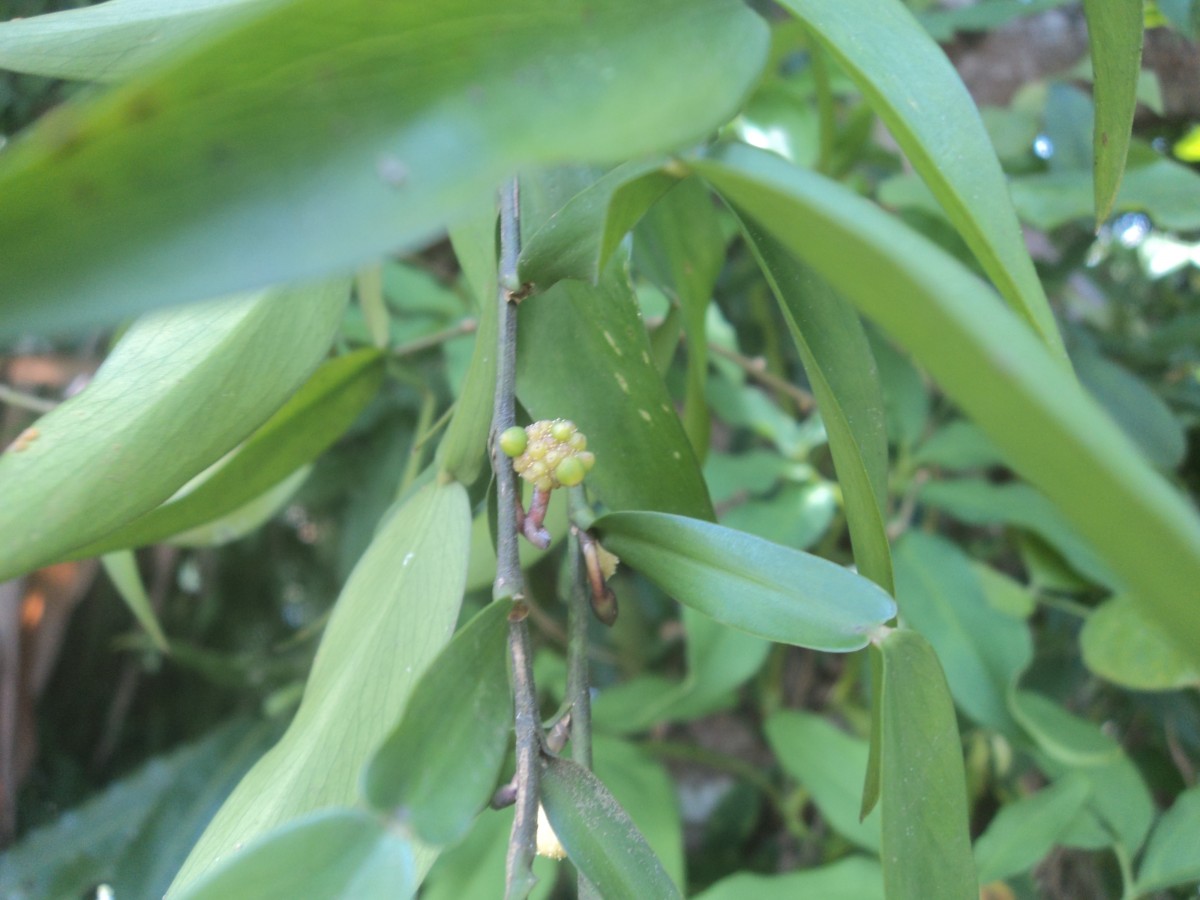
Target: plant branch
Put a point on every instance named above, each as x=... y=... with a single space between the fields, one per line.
x=466 y=326
x=13 y=397
x=509 y=583
x=757 y=370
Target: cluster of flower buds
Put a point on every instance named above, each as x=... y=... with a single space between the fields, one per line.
x=548 y=454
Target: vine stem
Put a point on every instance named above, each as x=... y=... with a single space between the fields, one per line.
x=509 y=584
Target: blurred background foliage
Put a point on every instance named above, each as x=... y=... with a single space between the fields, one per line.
x=735 y=758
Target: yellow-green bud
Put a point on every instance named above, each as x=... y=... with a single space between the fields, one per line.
x=562 y=430
x=570 y=472
x=514 y=441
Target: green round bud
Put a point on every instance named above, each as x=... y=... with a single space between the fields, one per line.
x=514 y=441
x=570 y=472
x=562 y=430
x=587 y=459
x=578 y=441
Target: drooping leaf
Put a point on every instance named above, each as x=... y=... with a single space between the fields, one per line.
x=845 y=382
x=180 y=390
x=393 y=616
x=1119 y=645
x=759 y=587
x=585 y=357
x=296 y=434
x=1115 y=38
x=1171 y=856
x=682 y=249
x=600 y=838
x=853 y=878
x=982 y=650
x=830 y=765
x=1024 y=831
x=438 y=768
x=578 y=239
x=294 y=145
x=986 y=362
x=114 y=40
x=911 y=85
x=123 y=571
x=329 y=855
x=926 y=842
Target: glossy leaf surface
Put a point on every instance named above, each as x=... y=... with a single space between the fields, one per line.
x=300 y=430
x=394 y=615
x=845 y=382
x=147 y=423
x=437 y=769
x=926 y=842
x=915 y=90
x=295 y=145
x=333 y=854
x=1115 y=37
x=751 y=584
x=600 y=838
x=987 y=362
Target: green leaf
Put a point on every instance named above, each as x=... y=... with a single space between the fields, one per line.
x=1064 y=737
x=294 y=145
x=123 y=570
x=599 y=837
x=982 y=650
x=917 y=93
x=845 y=382
x=979 y=502
x=681 y=249
x=957 y=446
x=134 y=835
x=585 y=357
x=1119 y=645
x=987 y=362
x=111 y=41
x=829 y=764
x=926 y=841
x=180 y=390
x=578 y=240
x=1024 y=831
x=438 y=768
x=395 y=613
x=246 y=518
x=751 y=584
x=294 y=436
x=463 y=450
x=332 y=854
x=1171 y=856
x=1115 y=39
x=474 y=869
x=645 y=790
x=853 y=878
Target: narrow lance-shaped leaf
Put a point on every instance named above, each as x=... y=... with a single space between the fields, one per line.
x=113 y=40
x=1171 y=856
x=916 y=91
x=1023 y=832
x=681 y=247
x=396 y=612
x=845 y=381
x=599 y=837
x=1115 y=38
x=333 y=854
x=437 y=769
x=992 y=367
x=122 y=569
x=295 y=145
x=300 y=430
x=926 y=839
x=751 y=584
x=180 y=390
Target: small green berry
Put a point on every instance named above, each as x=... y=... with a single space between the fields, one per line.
x=514 y=441
x=562 y=430
x=578 y=441
x=587 y=460
x=570 y=472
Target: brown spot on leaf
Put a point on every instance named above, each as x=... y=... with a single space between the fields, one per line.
x=141 y=107
x=24 y=440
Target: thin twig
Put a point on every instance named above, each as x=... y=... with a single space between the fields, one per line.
x=509 y=583
x=13 y=397
x=757 y=370
x=466 y=326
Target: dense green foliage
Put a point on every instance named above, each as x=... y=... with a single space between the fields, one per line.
x=927 y=507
